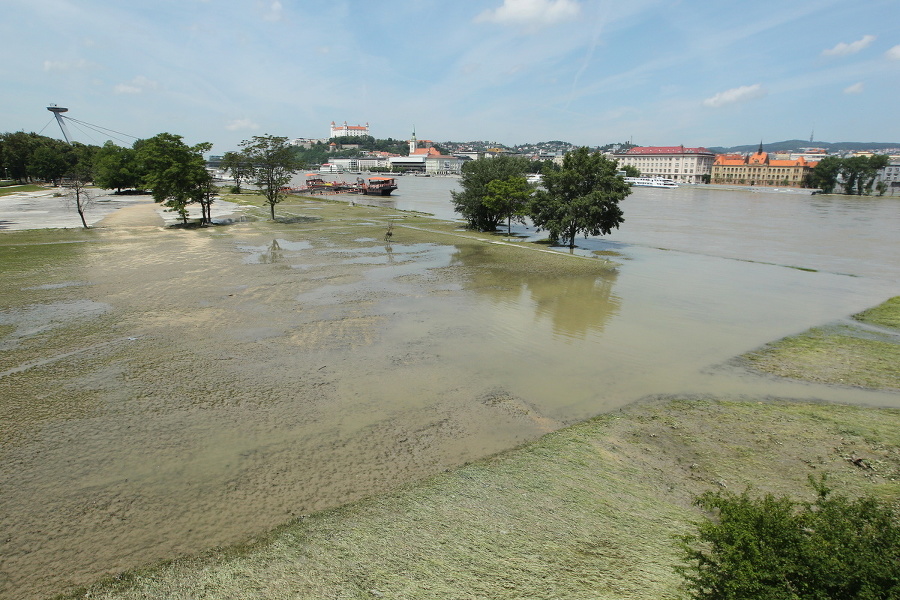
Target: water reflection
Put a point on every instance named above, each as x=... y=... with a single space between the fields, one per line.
x=574 y=304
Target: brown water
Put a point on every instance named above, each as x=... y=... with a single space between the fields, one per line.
x=169 y=391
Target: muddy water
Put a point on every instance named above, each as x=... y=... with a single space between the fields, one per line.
x=169 y=391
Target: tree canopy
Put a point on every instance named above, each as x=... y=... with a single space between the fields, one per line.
x=777 y=548
x=272 y=164
x=854 y=175
x=582 y=196
x=510 y=198
x=471 y=202
x=174 y=172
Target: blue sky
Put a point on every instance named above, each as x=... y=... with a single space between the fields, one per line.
x=693 y=72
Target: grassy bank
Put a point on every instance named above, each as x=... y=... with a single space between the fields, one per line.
x=590 y=511
x=864 y=352
x=586 y=512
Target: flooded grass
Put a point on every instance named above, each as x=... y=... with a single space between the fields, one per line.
x=274 y=389
x=589 y=511
x=841 y=354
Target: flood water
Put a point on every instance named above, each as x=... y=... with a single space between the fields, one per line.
x=246 y=375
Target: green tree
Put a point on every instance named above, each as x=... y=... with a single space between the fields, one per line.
x=173 y=171
x=631 y=171
x=509 y=198
x=237 y=165
x=48 y=163
x=471 y=203
x=774 y=547
x=580 y=197
x=272 y=163
x=18 y=148
x=825 y=175
x=116 y=168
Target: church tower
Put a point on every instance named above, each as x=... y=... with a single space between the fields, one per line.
x=413 y=144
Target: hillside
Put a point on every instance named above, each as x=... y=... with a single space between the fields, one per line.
x=788 y=145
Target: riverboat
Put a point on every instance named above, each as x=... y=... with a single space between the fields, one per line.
x=376 y=186
x=654 y=182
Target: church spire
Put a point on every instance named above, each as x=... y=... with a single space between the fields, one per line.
x=760 y=151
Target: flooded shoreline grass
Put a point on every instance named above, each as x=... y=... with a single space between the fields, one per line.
x=586 y=511
x=845 y=354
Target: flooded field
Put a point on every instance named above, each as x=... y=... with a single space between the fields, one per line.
x=165 y=391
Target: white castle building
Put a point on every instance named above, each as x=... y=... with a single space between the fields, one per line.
x=349 y=130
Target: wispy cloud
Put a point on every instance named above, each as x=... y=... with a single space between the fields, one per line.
x=531 y=13
x=138 y=85
x=856 y=88
x=843 y=49
x=273 y=11
x=62 y=65
x=239 y=124
x=734 y=95
x=893 y=53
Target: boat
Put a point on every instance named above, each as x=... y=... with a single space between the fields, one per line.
x=655 y=182
x=375 y=186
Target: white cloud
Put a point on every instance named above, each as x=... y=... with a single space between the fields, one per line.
x=138 y=85
x=856 y=88
x=531 y=13
x=61 y=65
x=238 y=124
x=843 y=49
x=274 y=11
x=738 y=94
x=893 y=53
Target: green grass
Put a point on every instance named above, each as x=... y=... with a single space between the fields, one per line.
x=15 y=189
x=587 y=512
x=843 y=355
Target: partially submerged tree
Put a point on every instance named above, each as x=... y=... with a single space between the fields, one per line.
x=582 y=196
x=471 y=202
x=774 y=547
x=272 y=164
x=510 y=199
x=174 y=172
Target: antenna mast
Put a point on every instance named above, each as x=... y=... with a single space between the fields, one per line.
x=57 y=111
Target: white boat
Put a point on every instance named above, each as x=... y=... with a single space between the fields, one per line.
x=656 y=182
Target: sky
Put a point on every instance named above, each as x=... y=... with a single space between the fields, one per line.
x=589 y=72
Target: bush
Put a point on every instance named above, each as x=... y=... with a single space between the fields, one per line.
x=777 y=548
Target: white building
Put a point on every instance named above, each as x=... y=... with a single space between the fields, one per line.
x=349 y=130
x=890 y=175
x=684 y=165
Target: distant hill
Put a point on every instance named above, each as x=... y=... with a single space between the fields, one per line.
x=788 y=145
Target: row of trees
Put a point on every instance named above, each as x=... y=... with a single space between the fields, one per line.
x=581 y=196
x=174 y=172
x=854 y=175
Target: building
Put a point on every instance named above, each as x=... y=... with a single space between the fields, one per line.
x=424 y=158
x=890 y=175
x=759 y=169
x=348 y=130
x=684 y=165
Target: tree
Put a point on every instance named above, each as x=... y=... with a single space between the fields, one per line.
x=631 y=171
x=476 y=175
x=237 y=165
x=116 y=168
x=272 y=163
x=173 y=171
x=774 y=547
x=47 y=163
x=510 y=199
x=580 y=197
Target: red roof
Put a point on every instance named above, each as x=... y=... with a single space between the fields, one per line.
x=667 y=150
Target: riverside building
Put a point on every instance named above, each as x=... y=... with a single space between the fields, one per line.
x=759 y=169
x=684 y=165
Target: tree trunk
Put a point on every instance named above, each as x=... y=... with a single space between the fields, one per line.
x=272 y=206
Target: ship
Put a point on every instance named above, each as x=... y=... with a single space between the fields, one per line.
x=655 y=182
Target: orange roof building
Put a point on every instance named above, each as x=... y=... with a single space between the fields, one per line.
x=759 y=169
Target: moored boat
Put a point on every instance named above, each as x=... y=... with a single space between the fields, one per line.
x=655 y=182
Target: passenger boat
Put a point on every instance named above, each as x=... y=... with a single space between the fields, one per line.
x=655 y=182
x=376 y=186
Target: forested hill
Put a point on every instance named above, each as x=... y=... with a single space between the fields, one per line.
x=832 y=147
